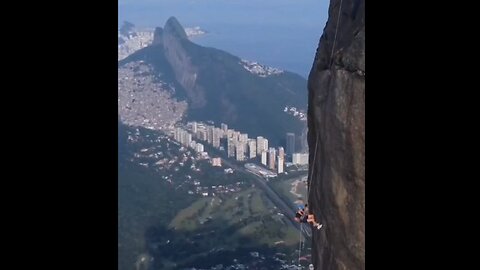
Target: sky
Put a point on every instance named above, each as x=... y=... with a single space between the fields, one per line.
x=279 y=12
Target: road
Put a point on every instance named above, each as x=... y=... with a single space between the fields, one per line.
x=288 y=211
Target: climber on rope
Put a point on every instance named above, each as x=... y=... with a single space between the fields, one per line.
x=302 y=216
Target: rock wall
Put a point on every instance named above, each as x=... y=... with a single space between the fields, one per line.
x=336 y=139
x=185 y=72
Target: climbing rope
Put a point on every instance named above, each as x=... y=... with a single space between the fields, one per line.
x=336 y=31
x=309 y=179
x=331 y=63
x=300 y=244
x=306 y=232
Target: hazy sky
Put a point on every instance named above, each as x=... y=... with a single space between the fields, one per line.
x=279 y=12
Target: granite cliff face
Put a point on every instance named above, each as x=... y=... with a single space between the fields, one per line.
x=336 y=138
x=185 y=72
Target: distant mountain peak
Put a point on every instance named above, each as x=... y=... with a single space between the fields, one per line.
x=158 y=36
x=174 y=27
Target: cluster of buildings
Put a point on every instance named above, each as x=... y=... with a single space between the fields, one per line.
x=238 y=145
x=133 y=42
x=258 y=69
x=216 y=162
x=300 y=158
x=214 y=190
x=185 y=138
x=144 y=101
x=299 y=114
x=257 y=260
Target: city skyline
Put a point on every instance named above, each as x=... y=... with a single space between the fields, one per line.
x=238 y=145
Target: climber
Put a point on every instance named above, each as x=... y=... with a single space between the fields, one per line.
x=302 y=216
